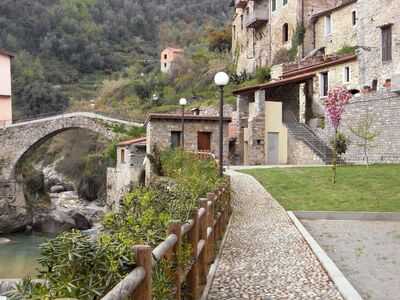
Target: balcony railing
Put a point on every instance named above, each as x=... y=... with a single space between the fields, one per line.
x=257 y=18
x=241 y=3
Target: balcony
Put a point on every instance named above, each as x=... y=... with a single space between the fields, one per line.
x=257 y=18
x=241 y=3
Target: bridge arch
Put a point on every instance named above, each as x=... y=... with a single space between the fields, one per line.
x=23 y=138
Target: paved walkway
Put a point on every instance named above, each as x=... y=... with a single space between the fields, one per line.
x=265 y=257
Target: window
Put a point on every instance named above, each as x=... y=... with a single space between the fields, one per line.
x=165 y=65
x=241 y=22
x=324 y=83
x=354 y=17
x=285 y=33
x=234 y=31
x=273 y=5
x=387 y=43
x=328 y=25
x=175 y=139
x=347 y=74
x=285 y=2
x=375 y=84
x=123 y=156
x=165 y=56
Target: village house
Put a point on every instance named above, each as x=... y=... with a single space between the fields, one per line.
x=5 y=88
x=346 y=43
x=164 y=131
x=129 y=169
x=169 y=57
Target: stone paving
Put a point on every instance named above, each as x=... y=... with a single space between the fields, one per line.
x=264 y=256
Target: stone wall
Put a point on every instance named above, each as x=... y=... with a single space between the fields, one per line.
x=384 y=108
x=343 y=32
x=159 y=133
x=372 y=14
x=301 y=154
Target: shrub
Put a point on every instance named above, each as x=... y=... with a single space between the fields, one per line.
x=77 y=266
x=346 y=49
x=263 y=74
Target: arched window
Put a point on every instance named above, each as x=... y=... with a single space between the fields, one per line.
x=285 y=32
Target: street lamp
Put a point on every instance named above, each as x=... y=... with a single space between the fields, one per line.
x=183 y=103
x=221 y=79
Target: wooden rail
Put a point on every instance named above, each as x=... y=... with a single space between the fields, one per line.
x=203 y=231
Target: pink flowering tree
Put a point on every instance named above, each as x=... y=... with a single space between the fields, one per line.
x=334 y=106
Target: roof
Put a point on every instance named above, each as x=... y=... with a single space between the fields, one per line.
x=179 y=50
x=187 y=117
x=331 y=10
x=138 y=141
x=323 y=64
x=296 y=76
x=6 y=53
x=271 y=84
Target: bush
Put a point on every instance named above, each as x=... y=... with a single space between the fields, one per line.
x=77 y=266
x=263 y=74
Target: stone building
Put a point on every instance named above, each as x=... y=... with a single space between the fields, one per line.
x=169 y=57
x=201 y=133
x=350 y=43
x=262 y=28
x=128 y=171
x=5 y=88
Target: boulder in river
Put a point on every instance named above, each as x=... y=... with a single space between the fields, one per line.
x=57 y=189
x=81 y=222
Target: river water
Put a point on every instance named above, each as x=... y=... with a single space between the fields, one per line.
x=18 y=259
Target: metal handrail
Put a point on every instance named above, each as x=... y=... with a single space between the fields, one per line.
x=291 y=118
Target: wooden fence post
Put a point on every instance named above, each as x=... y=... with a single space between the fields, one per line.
x=193 y=276
x=203 y=259
x=210 y=223
x=176 y=228
x=144 y=259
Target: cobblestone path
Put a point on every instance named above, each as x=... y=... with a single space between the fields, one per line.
x=264 y=256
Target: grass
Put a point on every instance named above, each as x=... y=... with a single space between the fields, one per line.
x=373 y=189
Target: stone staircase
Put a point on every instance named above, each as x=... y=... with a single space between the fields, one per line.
x=304 y=133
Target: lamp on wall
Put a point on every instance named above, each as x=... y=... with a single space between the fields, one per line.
x=221 y=79
x=183 y=103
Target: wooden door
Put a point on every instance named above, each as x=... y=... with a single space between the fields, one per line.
x=204 y=141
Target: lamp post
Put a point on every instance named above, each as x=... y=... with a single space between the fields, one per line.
x=183 y=103
x=221 y=79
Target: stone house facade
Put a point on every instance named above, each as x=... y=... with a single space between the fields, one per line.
x=260 y=28
x=127 y=173
x=169 y=57
x=350 y=43
x=5 y=88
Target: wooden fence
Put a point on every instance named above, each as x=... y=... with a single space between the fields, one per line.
x=203 y=231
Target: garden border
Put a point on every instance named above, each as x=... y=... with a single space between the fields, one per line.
x=345 y=288
x=343 y=215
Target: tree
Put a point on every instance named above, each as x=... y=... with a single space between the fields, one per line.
x=366 y=134
x=334 y=106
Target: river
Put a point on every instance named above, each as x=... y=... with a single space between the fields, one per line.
x=18 y=259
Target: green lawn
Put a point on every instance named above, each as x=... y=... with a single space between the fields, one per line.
x=359 y=188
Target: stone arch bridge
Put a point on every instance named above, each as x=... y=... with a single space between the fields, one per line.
x=20 y=139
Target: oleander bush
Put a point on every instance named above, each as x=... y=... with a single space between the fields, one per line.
x=86 y=268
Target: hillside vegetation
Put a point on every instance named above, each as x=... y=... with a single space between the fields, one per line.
x=66 y=48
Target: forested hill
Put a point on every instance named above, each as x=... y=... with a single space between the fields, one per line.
x=58 y=42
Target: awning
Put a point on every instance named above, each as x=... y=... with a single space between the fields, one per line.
x=272 y=84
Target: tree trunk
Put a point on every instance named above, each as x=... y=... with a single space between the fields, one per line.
x=334 y=162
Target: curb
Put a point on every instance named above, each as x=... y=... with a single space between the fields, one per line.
x=340 y=215
x=343 y=285
x=214 y=266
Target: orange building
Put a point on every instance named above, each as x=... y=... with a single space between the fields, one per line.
x=168 y=57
